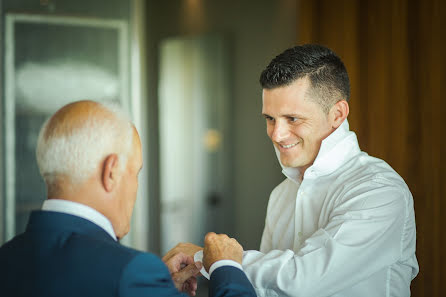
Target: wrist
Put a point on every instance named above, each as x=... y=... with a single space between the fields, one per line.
x=221 y=263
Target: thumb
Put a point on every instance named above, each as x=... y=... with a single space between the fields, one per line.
x=185 y=273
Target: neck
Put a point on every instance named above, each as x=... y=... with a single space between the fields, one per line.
x=87 y=193
x=90 y=193
x=302 y=171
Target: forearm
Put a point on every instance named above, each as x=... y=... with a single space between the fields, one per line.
x=319 y=273
x=326 y=263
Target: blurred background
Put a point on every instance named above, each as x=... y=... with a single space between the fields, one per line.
x=187 y=71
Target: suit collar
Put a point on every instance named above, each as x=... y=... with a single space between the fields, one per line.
x=62 y=222
x=80 y=210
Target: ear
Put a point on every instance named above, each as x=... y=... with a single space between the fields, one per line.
x=110 y=172
x=339 y=113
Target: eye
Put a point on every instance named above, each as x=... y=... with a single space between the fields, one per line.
x=292 y=119
x=268 y=118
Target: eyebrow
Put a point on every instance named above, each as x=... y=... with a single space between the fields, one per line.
x=293 y=115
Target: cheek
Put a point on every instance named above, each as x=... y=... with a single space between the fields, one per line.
x=269 y=130
x=134 y=191
x=301 y=132
x=312 y=141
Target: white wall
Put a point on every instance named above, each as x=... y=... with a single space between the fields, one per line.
x=257 y=31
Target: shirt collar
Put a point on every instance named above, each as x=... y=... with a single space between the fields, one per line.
x=80 y=210
x=339 y=146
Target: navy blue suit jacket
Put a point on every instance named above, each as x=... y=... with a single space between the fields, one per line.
x=61 y=255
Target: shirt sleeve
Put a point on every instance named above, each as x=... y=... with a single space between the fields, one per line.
x=221 y=263
x=363 y=235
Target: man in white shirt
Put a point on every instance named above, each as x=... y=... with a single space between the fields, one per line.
x=342 y=223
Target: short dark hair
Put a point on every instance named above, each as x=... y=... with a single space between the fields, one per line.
x=326 y=72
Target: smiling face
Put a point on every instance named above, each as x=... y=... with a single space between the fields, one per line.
x=296 y=124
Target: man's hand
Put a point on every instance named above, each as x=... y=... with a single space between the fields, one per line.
x=183 y=271
x=220 y=247
x=185 y=248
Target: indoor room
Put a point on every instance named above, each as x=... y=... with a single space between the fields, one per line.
x=187 y=74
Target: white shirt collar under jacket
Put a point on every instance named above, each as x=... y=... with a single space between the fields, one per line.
x=80 y=210
x=342 y=143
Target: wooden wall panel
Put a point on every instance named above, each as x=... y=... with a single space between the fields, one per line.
x=395 y=54
x=398 y=62
x=345 y=41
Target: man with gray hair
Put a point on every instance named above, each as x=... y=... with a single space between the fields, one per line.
x=89 y=155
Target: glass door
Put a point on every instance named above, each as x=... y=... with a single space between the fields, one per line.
x=194 y=139
x=50 y=61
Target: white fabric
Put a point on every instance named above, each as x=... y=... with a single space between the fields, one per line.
x=348 y=229
x=80 y=210
x=222 y=263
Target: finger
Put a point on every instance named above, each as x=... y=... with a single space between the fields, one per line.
x=173 y=252
x=185 y=287
x=192 y=286
x=188 y=260
x=168 y=255
x=174 y=263
x=165 y=258
x=199 y=265
x=180 y=259
x=209 y=236
x=182 y=275
x=178 y=262
x=184 y=258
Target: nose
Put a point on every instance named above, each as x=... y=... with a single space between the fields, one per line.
x=279 y=131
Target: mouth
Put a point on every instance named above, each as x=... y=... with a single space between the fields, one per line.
x=287 y=146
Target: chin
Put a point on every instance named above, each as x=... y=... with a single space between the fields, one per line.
x=287 y=162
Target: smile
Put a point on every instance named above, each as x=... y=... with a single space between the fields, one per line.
x=289 y=145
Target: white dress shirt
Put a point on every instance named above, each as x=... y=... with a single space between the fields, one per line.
x=347 y=229
x=80 y=210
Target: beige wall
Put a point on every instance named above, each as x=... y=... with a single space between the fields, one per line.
x=256 y=31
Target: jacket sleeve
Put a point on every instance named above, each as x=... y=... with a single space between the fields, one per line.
x=363 y=235
x=228 y=281
x=146 y=275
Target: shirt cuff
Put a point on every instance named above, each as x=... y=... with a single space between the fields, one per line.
x=221 y=263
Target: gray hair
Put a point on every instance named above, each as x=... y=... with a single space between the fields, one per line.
x=76 y=153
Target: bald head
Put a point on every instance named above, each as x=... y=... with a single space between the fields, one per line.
x=73 y=143
x=72 y=117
